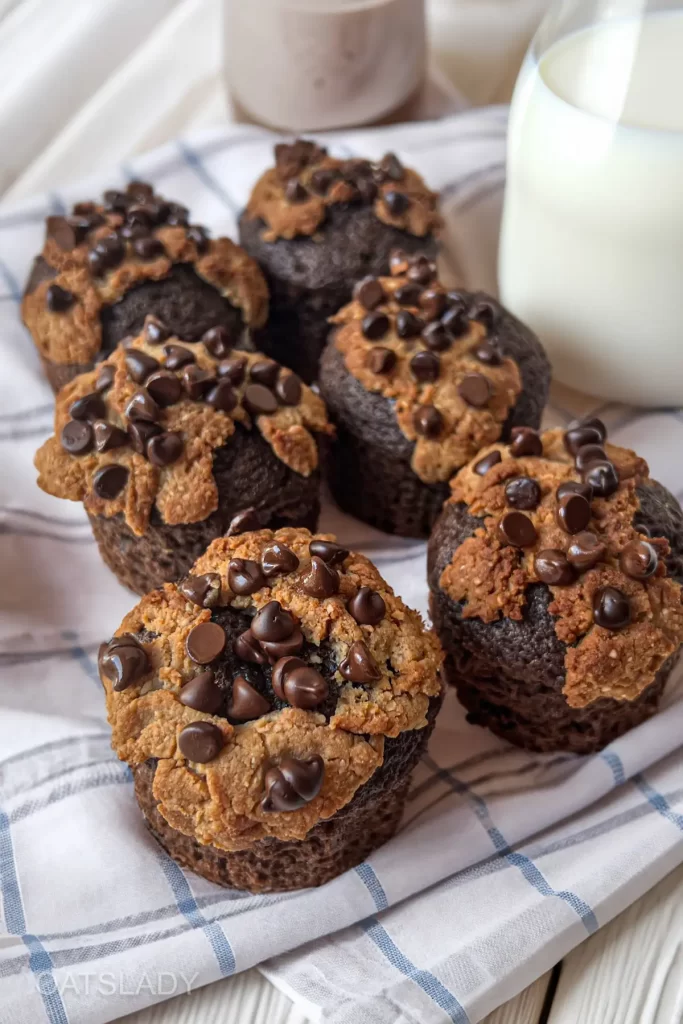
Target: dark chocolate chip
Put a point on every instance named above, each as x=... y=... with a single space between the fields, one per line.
x=246 y=703
x=375 y=326
x=58 y=299
x=108 y=436
x=367 y=607
x=200 y=742
x=639 y=559
x=391 y=167
x=408 y=325
x=574 y=487
x=455 y=321
x=425 y=367
x=588 y=453
x=217 y=341
x=321 y=580
x=199 y=235
x=359 y=666
x=109 y=481
x=408 y=294
x=551 y=567
x=475 y=389
x=123 y=662
x=488 y=462
x=204 y=590
x=436 y=337
x=432 y=303
x=259 y=400
x=421 y=269
x=273 y=623
x=581 y=432
x=522 y=492
x=483 y=312
x=381 y=360
x=603 y=478
x=105 y=378
x=247 y=647
x=196 y=382
x=369 y=293
x=244 y=521
x=140 y=365
x=611 y=608
x=488 y=353
x=293 y=783
x=143 y=407
x=280 y=668
x=265 y=372
x=278 y=560
x=232 y=369
x=585 y=551
x=90 y=407
x=276 y=649
x=106 y=254
x=205 y=642
x=177 y=215
x=141 y=191
x=155 y=332
x=573 y=513
x=77 y=437
x=140 y=434
x=288 y=389
x=517 y=529
x=303 y=686
x=396 y=202
x=164 y=387
x=62 y=232
x=525 y=441
x=245 y=576
x=202 y=693
x=165 y=448
x=222 y=396
x=177 y=356
x=116 y=200
x=295 y=192
x=428 y=421
x=322 y=179
x=148 y=248
x=331 y=553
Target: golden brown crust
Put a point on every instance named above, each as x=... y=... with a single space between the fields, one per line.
x=220 y=802
x=466 y=429
x=184 y=491
x=74 y=336
x=491 y=577
x=286 y=218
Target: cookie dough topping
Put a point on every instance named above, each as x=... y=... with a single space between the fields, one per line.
x=92 y=257
x=434 y=353
x=560 y=509
x=141 y=430
x=266 y=705
x=292 y=198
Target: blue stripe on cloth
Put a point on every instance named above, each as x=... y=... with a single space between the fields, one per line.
x=188 y=907
x=615 y=765
x=12 y=285
x=373 y=885
x=195 y=163
x=659 y=802
x=40 y=962
x=525 y=865
x=428 y=982
x=80 y=655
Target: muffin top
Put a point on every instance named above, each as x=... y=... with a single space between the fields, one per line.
x=93 y=257
x=265 y=684
x=140 y=431
x=437 y=355
x=560 y=509
x=292 y=197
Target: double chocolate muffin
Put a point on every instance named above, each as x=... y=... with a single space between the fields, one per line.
x=315 y=225
x=555 y=576
x=272 y=706
x=169 y=446
x=108 y=265
x=417 y=379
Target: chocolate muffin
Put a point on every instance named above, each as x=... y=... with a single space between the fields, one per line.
x=168 y=447
x=108 y=265
x=272 y=706
x=417 y=379
x=315 y=225
x=555 y=574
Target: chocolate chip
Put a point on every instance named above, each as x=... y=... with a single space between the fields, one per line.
x=295 y=192
x=588 y=453
x=196 y=381
x=522 y=492
x=436 y=337
x=202 y=693
x=140 y=434
x=105 y=378
x=581 y=432
x=89 y=407
x=108 y=436
x=381 y=360
x=288 y=389
x=205 y=642
x=109 y=481
x=475 y=389
x=639 y=559
x=259 y=400
x=517 y=529
x=141 y=191
x=143 y=407
x=408 y=325
x=246 y=703
x=177 y=215
x=273 y=623
x=603 y=478
x=165 y=448
x=222 y=396
x=487 y=352
x=331 y=553
x=58 y=299
x=59 y=230
x=247 y=647
x=573 y=513
x=123 y=662
x=367 y=607
x=278 y=559
x=321 y=580
x=611 y=608
x=552 y=567
x=359 y=665
x=106 y=254
x=488 y=462
x=177 y=356
x=245 y=576
x=276 y=649
x=280 y=669
x=585 y=551
x=432 y=303
x=164 y=387
x=375 y=326
x=244 y=521
x=204 y=590
x=140 y=365
x=217 y=341
x=265 y=372
x=421 y=269
x=232 y=369
x=148 y=248
x=396 y=202
x=199 y=235
x=322 y=179
x=428 y=421
x=369 y=293
x=155 y=332
x=455 y=321
x=425 y=367
x=200 y=742
x=302 y=685
x=116 y=200
x=77 y=437
x=408 y=295
x=574 y=487
x=391 y=167
x=525 y=441
x=293 y=783
x=483 y=312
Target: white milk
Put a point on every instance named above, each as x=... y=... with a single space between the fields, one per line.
x=591 y=251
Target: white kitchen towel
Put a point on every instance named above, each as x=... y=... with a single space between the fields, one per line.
x=505 y=860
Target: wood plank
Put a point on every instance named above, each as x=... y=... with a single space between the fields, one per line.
x=631 y=971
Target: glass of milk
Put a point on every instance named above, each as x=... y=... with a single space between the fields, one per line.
x=591 y=251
